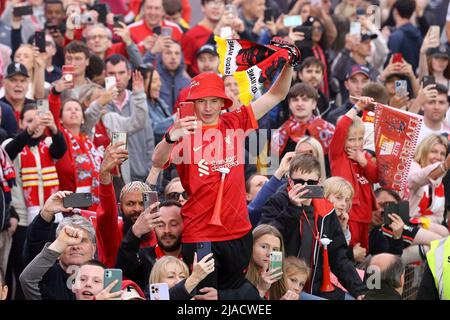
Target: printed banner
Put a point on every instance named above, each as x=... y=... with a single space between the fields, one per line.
x=396 y=134
x=254 y=66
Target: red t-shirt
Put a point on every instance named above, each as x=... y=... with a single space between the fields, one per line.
x=192 y=41
x=140 y=30
x=361 y=178
x=201 y=179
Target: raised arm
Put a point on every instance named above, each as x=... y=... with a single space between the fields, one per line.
x=276 y=93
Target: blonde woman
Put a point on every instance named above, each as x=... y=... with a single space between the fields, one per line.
x=175 y=273
x=271 y=284
x=426 y=190
x=310 y=145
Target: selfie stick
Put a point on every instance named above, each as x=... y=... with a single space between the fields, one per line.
x=215 y=219
x=327 y=286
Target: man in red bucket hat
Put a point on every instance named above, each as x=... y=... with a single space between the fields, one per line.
x=216 y=216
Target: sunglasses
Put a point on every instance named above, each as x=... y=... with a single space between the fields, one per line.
x=308 y=182
x=176 y=195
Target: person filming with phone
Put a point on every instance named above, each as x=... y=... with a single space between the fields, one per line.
x=225 y=225
x=302 y=215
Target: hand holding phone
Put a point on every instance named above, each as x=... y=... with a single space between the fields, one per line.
x=117 y=137
x=314 y=192
x=110 y=82
x=42 y=106
x=275 y=262
x=268 y=15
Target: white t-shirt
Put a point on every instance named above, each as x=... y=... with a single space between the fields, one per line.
x=425 y=131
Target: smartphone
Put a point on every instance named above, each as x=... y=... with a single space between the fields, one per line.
x=51 y=27
x=110 y=82
x=314 y=192
x=117 y=19
x=23 y=11
x=355 y=28
x=401 y=88
x=435 y=31
x=292 y=21
x=67 y=74
x=186 y=109
x=306 y=30
x=403 y=210
x=102 y=10
x=78 y=200
x=427 y=80
x=110 y=276
x=230 y=10
x=119 y=137
x=166 y=32
x=397 y=58
x=159 y=291
x=203 y=249
x=39 y=40
x=150 y=198
x=275 y=260
x=268 y=15
x=226 y=32
x=360 y=11
x=157 y=30
x=389 y=208
x=42 y=106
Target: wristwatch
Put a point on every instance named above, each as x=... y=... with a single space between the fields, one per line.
x=167 y=138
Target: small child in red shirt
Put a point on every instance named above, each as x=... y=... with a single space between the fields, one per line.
x=349 y=161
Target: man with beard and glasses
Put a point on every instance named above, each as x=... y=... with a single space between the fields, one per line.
x=137 y=262
x=109 y=227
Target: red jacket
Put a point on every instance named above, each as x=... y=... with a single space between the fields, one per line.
x=109 y=229
x=360 y=178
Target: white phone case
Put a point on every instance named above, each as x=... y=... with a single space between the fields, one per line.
x=110 y=82
x=159 y=291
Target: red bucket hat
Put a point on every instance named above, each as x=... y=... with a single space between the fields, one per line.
x=208 y=84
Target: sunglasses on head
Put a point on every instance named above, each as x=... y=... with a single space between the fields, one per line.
x=176 y=195
x=309 y=182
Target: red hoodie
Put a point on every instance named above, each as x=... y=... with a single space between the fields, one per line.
x=361 y=178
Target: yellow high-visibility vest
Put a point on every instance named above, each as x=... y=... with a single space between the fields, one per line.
x=439 y=262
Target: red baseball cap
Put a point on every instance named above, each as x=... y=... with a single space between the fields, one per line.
x=208 y=84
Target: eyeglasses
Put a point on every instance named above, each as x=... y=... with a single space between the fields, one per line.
x=308 y=182
x=176 y=195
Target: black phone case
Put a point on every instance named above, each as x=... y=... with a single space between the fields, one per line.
x=23 y=11
x=78 y=200
x=267 y=15
x=39 y=38
x=427 y=80
x=203 y=249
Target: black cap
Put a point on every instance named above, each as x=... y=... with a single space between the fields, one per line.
x=15 y=69
x=441 y=51
x=368 y=36
x=207 y=48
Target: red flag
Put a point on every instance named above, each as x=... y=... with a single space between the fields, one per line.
x=396 y=134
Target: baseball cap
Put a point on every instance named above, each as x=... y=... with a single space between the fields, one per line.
x=131 y=291
x=441 y=51
x=208 y=84
x=355 y=69
x=15 y=69
x=368 y=36
x=207 y=48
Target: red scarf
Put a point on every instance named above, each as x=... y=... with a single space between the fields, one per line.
x=7 y=173
x=33 y=161
x=320 y=55
x=87 y=160
x=316 y=127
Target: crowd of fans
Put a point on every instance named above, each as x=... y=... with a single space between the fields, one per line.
x=74 y=74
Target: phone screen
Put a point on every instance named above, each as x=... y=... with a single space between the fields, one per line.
x=22 y=11
x=276 y=258
x=292 y=21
